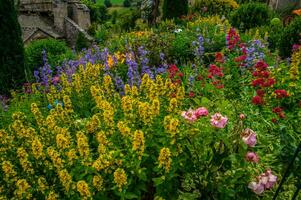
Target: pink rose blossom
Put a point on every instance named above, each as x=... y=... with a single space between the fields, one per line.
x=258 y=188
x=242 y=116
x=201 y=112
x=218 y=120
x=189 y=115
x=249 y=137
x=252 y=157
x=265 y=181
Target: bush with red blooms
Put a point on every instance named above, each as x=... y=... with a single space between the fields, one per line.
x=215 y=74
x=262 y=80
x=232 y=39
x=175 y=74
x=281 y=94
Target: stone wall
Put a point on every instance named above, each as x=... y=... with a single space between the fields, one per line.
x=60 y=12
x=72 y=31
x=281 y=4
x=81 y=15
x=36 y=5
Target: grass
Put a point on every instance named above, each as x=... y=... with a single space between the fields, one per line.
x=114 y=2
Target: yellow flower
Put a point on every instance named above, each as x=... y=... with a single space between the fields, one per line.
x=42 y=183
x=93 y=125
x=83 y=188
x=23 y=158
x=72 y=155
x=155 y=107
x=37 y=148
x=171 y=125
x=22 y=189
x=83 y=145
x=37 y=114
x=97 y=182
x=55 y=157
x=52 y=196
x=101 y=138
x=8 y=169
x=120 y=178
x=123 y=128
x=67 y=104
x=110 y=61
x=173 y=105
x=65 y=179
x=164 y=159
x=138 y=143
x=144 y=112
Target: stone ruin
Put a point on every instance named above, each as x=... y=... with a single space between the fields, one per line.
x=59 y=19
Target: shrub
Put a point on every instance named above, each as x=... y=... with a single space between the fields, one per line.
x=212 y=7
x=11 y=48
x=181 y=46
x=81 y=42
x=250 y=15
x=290 y=36
x=127 y=19
x=126 y=3
x=108 y=3
x=98 y=12
x=56 y=51
x=174 y=8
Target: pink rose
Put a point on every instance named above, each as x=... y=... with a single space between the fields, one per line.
x=265 y=181
x=252 y=157
x=218 y=120
x=201 y=112
x=189 y=115
x=249 y=137
x=242 y=116
x=258 y=188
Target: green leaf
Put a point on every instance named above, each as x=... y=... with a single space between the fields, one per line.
x=130 y=195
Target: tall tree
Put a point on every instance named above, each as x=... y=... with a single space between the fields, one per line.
x=155 y=12
x=174 y=8
x=12 y=72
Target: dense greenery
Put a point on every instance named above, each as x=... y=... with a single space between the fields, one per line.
x=174 y=8
x=55 y=50
x=251 y=15
x=12 y=71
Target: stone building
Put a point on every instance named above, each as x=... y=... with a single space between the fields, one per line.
x=53 y=19
x=282 y=4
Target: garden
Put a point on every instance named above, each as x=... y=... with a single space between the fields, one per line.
x=201 y=101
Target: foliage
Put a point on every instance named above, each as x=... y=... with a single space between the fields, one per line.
x=98 y=12
x=251 y=15
x=127 y=3
x=56 y=50
x=214 y=7
x=11 y=49
x=174 y=8
x=290 y=36
x=108 y=3
x=81 y=42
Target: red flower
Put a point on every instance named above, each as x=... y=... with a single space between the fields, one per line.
x=274 y=120
x=281 y=94
x=215 y=71
x=240 y=58
x=191 y=94
x=257 y=100
x=269 y=82
x=260 y=93
x=258 y=82
x=277 y=110
x=219 y=57
x=261 y=65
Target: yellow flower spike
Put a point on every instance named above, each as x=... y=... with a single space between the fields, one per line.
x=171 y=125
x=93 y=124
x=173 y=105
x=71 y=155
x=67 y=104
x=138 y=143
x=37 y=114
x=98 y=182
x=52 y=196
x=83 y=145
x=83 y=189
x=65 y=179
x=23 y=158
x=180 y=92
x=8 y=169
x=123 y=128
x=62 y=141
x=77 y=84
x=127 y=105
x=134 y=91
x=144 y=82
x=155 y=107
x=159 y=85
x=108 y=85
x=144 y=111
x=120 y=178
x=127 y=89
x=37 y=148
x=55 y=157
x=42 y=184
x=50 y=122
x=165 y=159
x=22 y=189
x=101 y=138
